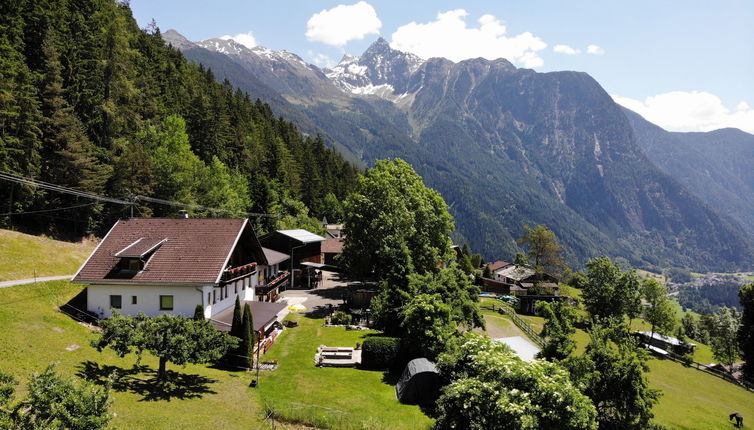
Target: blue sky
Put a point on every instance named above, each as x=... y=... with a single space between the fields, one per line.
x=686 y=65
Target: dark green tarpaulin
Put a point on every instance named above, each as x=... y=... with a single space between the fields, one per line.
x=419 y=383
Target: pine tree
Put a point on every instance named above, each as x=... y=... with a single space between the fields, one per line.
x=236 y=328
x=199 y=313
x=67 y=152
x=248 y=337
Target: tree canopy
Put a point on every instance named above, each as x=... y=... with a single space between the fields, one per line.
x=90 y=101
x=746 y=330
x=395 y=224
x=170 y=338
x=544 y=251
x=557 y=330
x=610 y=293
x=611 y=373
x=659 y=312
x=491 y=388
x=55 y=403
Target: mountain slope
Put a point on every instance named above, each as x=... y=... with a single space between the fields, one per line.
x=508 y=147
x=716 y=165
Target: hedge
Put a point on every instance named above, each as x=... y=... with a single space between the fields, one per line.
x=380 y=352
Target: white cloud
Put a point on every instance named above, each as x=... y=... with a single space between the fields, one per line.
x=691 y=111
x=245 y=39
x=322 y=60
x=343 y=23
x=594 y=50
x=449 y=37
x=565 y=49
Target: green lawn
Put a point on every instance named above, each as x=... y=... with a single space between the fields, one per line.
x=23 y=255
x=34 y=334
x=333 y=397
x=695 y=400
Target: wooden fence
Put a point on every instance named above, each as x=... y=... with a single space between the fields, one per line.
x=525 y=327
x=707 y=369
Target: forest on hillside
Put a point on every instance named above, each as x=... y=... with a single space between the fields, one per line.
x=90 y=101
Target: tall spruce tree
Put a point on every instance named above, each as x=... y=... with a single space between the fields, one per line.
x=236 y=327
x=248 y=337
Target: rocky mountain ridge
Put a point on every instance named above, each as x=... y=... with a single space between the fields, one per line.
x=506 y=147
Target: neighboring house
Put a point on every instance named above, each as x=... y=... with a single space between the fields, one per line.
x=497 y=265
x=333 y=230
x=158 y=265
x=300 y=245
x=331 y=248
x=523 y=276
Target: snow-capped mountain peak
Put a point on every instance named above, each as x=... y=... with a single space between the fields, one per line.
x=381 y=70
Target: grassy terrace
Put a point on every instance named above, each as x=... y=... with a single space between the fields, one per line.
x=21 y=255
x=34 y=334
x=691 y=399
x=331 y=397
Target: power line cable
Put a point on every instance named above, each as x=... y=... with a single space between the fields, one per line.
x=58 y=188
x=61 y=189
x=47 y=210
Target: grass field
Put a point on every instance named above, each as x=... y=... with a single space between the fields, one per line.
x=340 y=398
x=23 y=255
x=691 y=398
x=34 y=334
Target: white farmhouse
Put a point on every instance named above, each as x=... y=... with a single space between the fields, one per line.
x=160 y=265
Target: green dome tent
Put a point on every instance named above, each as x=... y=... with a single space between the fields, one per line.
x=419 y=383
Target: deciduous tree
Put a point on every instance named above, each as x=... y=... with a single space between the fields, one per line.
x=170 y=338
x=659 y=312
x=490 y=388
x=55 y=403
x=608 y=292
x=545 y=253
x=724 y=336
x=746 y=330
x=611 y=373
x=558 y=330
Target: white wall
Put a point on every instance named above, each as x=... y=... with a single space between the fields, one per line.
x=185 y=299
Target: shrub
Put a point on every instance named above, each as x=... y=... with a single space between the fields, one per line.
x=381 y=352
x=340 y=318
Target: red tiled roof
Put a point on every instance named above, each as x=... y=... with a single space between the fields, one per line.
x=141 y=247
x=195 y=250
x=499 y=264
x=332 y=246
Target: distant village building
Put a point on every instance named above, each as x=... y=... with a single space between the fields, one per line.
x=157 y=266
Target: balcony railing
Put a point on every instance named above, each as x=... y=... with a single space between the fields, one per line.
x=275 y=281
x=238 y=272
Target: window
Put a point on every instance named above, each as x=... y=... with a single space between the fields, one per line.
x=214 y=296
x=115 y=302
x=134 y=264
x=245 y=282
x=166 y=303
x=209 y=298
x=133 y=300
x=235 y=287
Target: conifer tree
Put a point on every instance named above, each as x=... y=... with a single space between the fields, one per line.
x=248 y=337
x=199 y=313
x=236 y=326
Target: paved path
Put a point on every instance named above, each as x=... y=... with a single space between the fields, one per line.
x=318 y=300
x=6 y=284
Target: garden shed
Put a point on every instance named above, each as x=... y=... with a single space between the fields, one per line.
x=419 y=383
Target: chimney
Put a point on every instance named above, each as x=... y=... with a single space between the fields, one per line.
x=182 y=214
